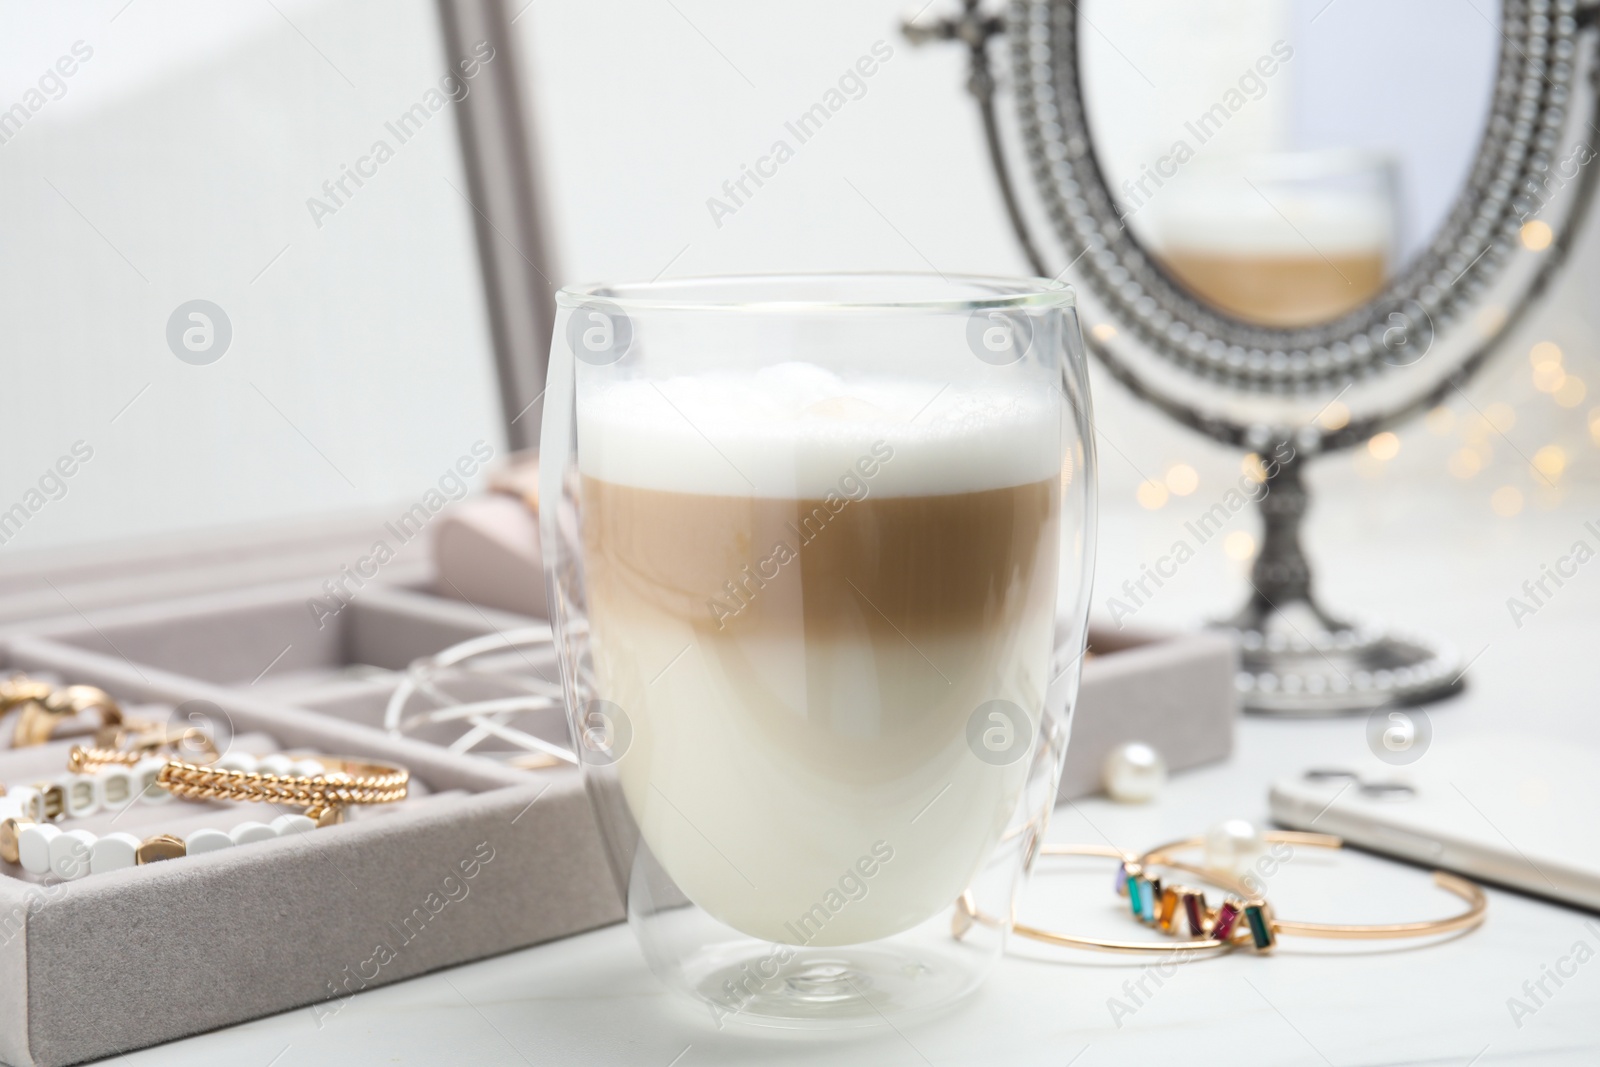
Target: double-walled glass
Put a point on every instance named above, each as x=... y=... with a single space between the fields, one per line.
x=819 y=550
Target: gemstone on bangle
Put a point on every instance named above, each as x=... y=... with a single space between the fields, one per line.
x=1194 y=908
x=1167 y=914
x=1121 y=884
x=1259 y=917
x=1227 y=916
x=1131 y=887
x=1148 y=888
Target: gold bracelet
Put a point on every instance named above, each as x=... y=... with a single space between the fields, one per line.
x=45 y=707
x=1263 y=926
x=344 y=781
x=967 y=914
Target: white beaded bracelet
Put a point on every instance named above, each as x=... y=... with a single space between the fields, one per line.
x=43 y=848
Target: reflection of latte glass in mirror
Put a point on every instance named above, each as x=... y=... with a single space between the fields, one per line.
x=1281 y=240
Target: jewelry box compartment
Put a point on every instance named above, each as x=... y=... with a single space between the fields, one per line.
x=1175 y=692
x=479 y=860
x=279 y=642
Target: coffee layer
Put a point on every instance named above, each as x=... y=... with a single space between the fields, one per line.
x=1280 y=289
x=749 y=566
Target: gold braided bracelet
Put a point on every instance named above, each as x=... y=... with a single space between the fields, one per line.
x=344 y=781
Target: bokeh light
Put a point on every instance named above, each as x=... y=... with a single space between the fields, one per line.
x=1384 y=446
x=1547 y=377
x=1506 y=501
x=1239 y=545
x=1334 y=417
x=1536 y=235
x=1464 y=463
x=1182 y=479
x=1152 y=495
x=1571 y=391
x=1550 y=461
x=1545 y=352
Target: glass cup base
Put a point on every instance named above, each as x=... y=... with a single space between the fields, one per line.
x=828 y=988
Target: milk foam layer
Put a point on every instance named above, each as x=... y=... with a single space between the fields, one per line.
x=791 y=429
x=1299 y=224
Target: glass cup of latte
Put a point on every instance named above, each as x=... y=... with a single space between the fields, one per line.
x=818 y=552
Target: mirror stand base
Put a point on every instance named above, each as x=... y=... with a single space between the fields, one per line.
x=1297 y=660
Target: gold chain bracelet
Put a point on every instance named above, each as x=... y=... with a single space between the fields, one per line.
x=344 y=781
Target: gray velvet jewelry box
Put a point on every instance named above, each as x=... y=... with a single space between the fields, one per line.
x=122 y=960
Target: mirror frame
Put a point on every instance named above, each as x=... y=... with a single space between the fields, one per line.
x=1444 y=283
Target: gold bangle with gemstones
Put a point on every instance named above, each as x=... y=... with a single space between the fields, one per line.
x=1264 y=927
x=967 y=914
x=1167 y=906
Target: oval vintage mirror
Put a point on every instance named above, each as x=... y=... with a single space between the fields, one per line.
x=1283 y=161
x=1292 y=224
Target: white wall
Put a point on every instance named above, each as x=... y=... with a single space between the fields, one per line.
x=177 y=164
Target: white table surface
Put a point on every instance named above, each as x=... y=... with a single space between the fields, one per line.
x=590 y=999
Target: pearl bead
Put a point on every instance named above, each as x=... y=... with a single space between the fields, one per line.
x=1233 y=846
x=1133 y=773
